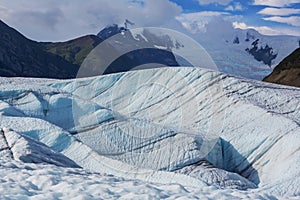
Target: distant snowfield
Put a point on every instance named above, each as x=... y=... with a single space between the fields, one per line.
x=236 y=60
x=159 y=133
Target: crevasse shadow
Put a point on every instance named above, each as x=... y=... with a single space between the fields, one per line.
x=233 y=161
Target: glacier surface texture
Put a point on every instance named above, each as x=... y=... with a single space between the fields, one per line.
x=157 y=133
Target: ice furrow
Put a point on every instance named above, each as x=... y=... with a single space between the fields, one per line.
x=5 y=148
x=133 y=124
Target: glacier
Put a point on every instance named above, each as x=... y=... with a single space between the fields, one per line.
x=175 y=132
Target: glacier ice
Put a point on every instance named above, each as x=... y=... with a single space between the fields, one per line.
x=157 y=125
x=25 y=149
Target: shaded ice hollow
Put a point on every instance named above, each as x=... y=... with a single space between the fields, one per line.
x=204 y=133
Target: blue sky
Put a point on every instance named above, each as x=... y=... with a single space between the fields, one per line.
x=267 y=16
x=52 y=20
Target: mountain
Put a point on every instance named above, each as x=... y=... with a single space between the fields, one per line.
x=287 y=72
x=139 y=50
x=110 y=31
x=188 y=130
x=20 y=56
x=246 y=53
x=73 y=51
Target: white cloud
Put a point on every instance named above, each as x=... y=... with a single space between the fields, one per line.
x=196 y=22
x=279 y=11
x=275 y=3
x=221 y=2
x=265 y=30
x=48 y=21
x=4 y=12
x=293 y=20
x=200 y=15
x=62 y=20
x=237 y=6
x=240 y=25
x=262 y=29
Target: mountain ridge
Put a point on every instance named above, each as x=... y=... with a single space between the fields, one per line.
x=249 y=54
x=20 y=56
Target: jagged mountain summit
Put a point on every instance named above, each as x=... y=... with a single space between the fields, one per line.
x=142 y=49
x=288 y=71
x=203 y=132
x=110 y=31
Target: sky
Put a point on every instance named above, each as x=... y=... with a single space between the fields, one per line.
x=53 y=20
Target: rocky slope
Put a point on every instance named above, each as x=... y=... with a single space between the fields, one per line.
x=288 y=71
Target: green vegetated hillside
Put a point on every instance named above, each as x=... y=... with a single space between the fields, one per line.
x=73 y=51
x=22 y=57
